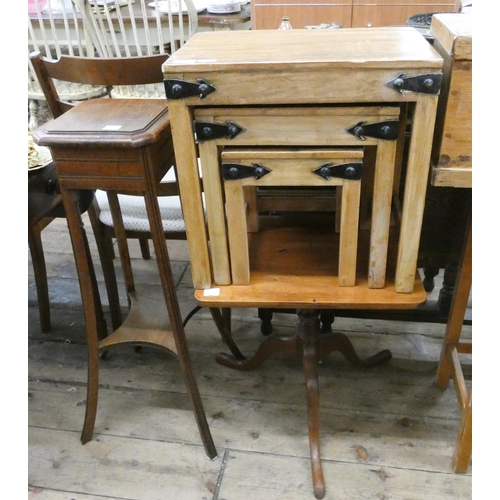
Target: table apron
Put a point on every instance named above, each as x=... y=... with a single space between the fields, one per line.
x=330 y=85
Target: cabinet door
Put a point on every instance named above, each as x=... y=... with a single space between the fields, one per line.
x=393 y=13
x=305 y=13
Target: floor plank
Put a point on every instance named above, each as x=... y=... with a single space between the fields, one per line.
x=386 y=433
x=122 y=468
x=254 y=477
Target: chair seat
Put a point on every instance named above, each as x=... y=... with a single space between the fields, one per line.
x=135 y=216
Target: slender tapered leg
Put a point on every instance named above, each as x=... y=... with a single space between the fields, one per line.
x=40 y=272
x=449 y=363
x=457 y=312
x=175 y=316
x=144 y=246
x=92 y=308
x=463 y=446
x=337 y=341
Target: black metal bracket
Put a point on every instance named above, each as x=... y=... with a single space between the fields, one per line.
x=181 y=89
x=350 y=171
x=421 y=84
x=206 y=131
x=382 y=130
x=235 y=171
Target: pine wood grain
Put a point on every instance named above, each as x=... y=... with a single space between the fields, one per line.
x=452 y=148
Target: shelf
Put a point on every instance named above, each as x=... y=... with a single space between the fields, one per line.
x=311 y=250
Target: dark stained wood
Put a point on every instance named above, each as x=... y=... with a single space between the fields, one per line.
x=41 y=198
x=89 y=155
x=45 y=205
x=126 y=71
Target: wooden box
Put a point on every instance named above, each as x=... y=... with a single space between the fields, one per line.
x=452 y=147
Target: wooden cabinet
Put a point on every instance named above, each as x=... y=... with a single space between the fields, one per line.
x=267 y=14
x=452 y=148
x=393 y=12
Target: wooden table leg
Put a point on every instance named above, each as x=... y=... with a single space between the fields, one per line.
x=449 y=363
x=414 y=193
x=40 y=272
x=222 y=322
x=175 y=317
x=463 y=446
x=106 y=255
x=92 y=308
x=308 y=326
x=457 y=312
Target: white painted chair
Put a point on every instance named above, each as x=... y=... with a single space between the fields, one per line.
x=137 y=28
x=54 y=28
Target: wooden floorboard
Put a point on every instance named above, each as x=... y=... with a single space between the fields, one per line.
x=386 y=433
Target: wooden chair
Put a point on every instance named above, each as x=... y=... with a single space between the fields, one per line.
x=134 y=28
x=74 y=30
x=449 y=363
x=44 y=206
x=54 y=32
x=144 y=325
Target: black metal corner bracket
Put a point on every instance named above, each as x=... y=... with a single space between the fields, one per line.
x=235 y=171
x=350 y=171
x=181 y=89
x=383 y=130
x=207 y=131
x=421 y=84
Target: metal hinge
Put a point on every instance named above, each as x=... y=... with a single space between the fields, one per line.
x=207 y=131
x=422 y=84
x=235 y=171
x=350 y=171
x=180 y=89
x=382 y=130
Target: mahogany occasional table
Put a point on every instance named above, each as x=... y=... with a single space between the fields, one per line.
x=121 y=146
